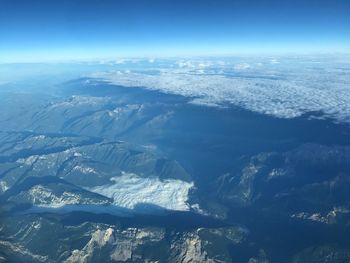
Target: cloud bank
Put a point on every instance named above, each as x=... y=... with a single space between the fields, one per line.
x=286 y=89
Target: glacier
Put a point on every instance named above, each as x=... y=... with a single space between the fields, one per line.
x=135 y=192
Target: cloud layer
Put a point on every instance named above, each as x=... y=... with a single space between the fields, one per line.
x=284 y=88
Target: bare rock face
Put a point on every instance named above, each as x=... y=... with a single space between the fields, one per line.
x=99 y=239
x=97 y=242
x=189 y=248
x=200 y=245
x=130 y=245
x=114 y=245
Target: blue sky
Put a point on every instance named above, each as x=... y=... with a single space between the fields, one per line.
x=35 y=30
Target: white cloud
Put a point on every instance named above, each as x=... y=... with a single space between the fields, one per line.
x=274 y=61
x=120 y=61
x=241 y=66
x=292 y=89
x=185 y=64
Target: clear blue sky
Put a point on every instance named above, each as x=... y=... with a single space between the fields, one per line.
x=73 y=29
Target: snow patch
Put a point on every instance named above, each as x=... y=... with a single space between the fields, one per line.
x=43 y=197
x=85 y=169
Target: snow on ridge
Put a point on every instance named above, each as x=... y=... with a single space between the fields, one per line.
x=45 y=198
x=85 y=169
x=130 y=190
x=282 y=90
x=76 y=101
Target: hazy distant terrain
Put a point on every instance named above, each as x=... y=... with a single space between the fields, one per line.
x=176 y=160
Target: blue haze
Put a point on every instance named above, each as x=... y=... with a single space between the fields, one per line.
x=40 y=30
